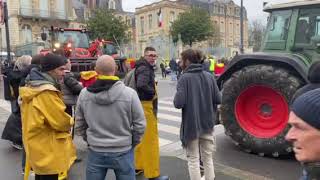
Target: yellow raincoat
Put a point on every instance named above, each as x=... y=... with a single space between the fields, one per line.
x=46 y=130
x=147 y=156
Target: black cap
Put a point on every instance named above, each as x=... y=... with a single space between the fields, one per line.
x=51 y=61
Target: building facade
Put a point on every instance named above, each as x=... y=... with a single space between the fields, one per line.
x=29 y=18
x=153 y=24
x=110 y=4
x=128 y=48
x=225 y=14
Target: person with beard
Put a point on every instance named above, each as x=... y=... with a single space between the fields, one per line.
x=45 y=124
x=147 y=156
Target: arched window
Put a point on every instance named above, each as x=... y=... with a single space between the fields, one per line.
x=112 y=4
x=44 y=8
x=26 y=34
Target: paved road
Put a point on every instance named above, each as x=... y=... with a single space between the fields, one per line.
x=230 y=162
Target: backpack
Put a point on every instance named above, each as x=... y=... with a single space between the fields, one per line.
x=130 y=79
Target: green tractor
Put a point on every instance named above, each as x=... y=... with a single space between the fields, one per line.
x=257 y=88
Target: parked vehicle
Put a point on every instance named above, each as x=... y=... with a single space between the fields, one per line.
x=257 y=88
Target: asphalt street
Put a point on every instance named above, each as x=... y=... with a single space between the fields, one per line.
x=230 y=162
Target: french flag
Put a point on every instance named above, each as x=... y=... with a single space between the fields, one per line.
x=160 y=18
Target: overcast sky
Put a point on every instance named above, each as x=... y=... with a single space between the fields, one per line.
x=254 y=7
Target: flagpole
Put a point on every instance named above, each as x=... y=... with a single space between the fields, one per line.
x=241 y=27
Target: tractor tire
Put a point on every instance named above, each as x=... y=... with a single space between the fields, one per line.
x=255 y=108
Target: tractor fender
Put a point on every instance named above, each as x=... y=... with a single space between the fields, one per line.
x=294 y=63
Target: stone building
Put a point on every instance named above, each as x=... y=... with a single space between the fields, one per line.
x=224 y=13
x=153 y=24
x=128 y=49
x=29 y=18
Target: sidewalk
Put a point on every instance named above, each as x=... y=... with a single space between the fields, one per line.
x=172 y=160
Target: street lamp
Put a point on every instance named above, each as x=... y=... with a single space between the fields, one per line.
x=241 y=27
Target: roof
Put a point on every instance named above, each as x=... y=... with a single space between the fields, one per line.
x=290 y=4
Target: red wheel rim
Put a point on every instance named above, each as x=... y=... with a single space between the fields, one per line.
x=262 y=111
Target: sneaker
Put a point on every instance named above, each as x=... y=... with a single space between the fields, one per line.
x=16 y=146
x=138 y=172
x=31 y=173
x=160 y=178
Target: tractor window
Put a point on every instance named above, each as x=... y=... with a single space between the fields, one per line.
x=109 y=49
x=307 y=27
x=277 y=30
x=278 y=26
x=77 y=38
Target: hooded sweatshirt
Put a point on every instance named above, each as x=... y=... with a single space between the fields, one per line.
x=110 y=115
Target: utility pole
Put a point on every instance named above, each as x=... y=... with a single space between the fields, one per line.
x=241 y=27
x=6 y=18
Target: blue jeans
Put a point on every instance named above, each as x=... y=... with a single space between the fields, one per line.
x=99 y=163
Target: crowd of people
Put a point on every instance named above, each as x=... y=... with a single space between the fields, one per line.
x=118 y=120
x=210 y=64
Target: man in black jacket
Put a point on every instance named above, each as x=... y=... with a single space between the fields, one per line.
x=147 y=158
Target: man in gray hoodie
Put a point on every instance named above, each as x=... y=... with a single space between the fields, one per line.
x=111 y=116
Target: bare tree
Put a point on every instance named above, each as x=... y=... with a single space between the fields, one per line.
x=256 y=33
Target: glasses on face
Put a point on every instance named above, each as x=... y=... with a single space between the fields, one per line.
x=152 y=55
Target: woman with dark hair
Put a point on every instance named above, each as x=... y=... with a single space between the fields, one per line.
x=198 y=96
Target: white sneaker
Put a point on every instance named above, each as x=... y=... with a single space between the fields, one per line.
x=16 y=146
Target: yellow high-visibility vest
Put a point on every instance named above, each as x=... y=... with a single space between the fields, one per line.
x=212 y=64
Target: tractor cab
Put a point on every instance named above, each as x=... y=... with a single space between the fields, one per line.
x=258 y=88
x=294 y=28
x=73 y=42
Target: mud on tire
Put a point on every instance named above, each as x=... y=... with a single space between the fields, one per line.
x=278 y=79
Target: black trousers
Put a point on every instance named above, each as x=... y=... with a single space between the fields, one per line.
x=47 y=177
x=164 y=74
x=69 y=110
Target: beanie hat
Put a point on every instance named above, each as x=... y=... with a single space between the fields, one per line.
x=51 y=61
x=307 y=107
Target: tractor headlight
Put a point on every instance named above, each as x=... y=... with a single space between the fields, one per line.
x=57 y=45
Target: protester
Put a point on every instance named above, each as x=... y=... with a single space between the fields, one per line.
x=198 y=113
x=163 y=70
x=70 y=88
x=147 y=158
x=173 y=66
x=12 y=130
x=305 y=130
x=314 y=83
x=46 y=126
x=35 y=64
x=112 y=117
